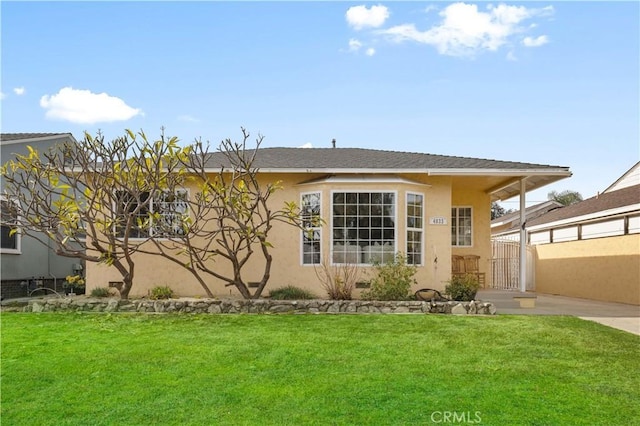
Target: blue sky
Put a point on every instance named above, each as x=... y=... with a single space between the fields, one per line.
x=543 y=82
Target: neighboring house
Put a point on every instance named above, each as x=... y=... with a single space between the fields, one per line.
x=591 y=249
x=505 y=248
x=25 y=262
x=374 y=204
x=508 y=226
x=630 y=178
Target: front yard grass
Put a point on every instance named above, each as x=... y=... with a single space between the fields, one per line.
x=120 y=369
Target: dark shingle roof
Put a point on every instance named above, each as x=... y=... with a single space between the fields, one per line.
x=358 y=158
x=607 y=201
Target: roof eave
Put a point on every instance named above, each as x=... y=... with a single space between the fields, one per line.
x=431 y=172
x=40 y=139
x=501 y=172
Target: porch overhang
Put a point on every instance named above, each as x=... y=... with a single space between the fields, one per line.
x=511 y=186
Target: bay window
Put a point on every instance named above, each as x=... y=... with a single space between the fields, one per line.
x=310 y=204
x=415 y=223
x=363 y=227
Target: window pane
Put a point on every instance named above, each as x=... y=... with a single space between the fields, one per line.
x=171 y=210
x=311 y=235
x=8 y=241
x=368 y=232
x=414 y=225
x=461 y=226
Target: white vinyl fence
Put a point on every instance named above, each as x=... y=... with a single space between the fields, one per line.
x=505 y=263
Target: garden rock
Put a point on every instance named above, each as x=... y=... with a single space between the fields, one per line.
x=260 y=306
x=459 y=309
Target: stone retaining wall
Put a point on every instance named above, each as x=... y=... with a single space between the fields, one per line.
x=259 y=306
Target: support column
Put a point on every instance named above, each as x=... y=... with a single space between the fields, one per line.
x=523 y=237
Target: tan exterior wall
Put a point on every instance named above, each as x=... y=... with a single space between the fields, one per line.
x=287 y=268
x=606 y=269
x=481 y=244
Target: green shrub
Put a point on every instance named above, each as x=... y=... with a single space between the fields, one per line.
x=100 y=292
x=462 y=288
x=291 y=293
x=161 y=292
x=393 y=280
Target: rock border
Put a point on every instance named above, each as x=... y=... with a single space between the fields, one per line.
x=259 y=306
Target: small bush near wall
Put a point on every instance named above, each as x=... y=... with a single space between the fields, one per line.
x=100 y=292
x=338 y=280
x=161 y=292
x=462 y=288
x=393 y=280
x=291 y=293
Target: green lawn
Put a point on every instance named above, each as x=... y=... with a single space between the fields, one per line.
x=119 y=369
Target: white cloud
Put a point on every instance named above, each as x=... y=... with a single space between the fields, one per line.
x=535 y=42
x=2 y=95
x=354 y=45
x=306 y=145
x=85 y=107
x=360 y=17
x=511 y=57
x=430 y=8
x=19 y=91
x=466 y=31
x=188 y=119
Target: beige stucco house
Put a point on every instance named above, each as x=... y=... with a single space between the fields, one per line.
x=374 y=203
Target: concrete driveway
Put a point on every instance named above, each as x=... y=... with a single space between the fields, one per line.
x=617 y=315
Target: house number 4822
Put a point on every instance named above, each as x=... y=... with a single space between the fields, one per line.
x=438 y=220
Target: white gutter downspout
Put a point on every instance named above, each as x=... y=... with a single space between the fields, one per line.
x=523 y=238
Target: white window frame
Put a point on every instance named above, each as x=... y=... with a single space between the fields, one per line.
x=185 y=213
x=151 y=209
x=315 y=229
x=414 y=229
x=18 y=234
x=457 y=229
x=364 y=191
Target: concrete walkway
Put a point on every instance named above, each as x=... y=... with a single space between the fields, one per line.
x=617 y=315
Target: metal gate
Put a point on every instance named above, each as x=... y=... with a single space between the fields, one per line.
x=505 y=263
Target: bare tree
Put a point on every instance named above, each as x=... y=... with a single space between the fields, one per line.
x=106 y=202
x=230 y=217
x=93 y=199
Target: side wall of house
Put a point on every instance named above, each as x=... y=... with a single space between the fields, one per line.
x=287 y=268
x=601 y=269
x=35 y=259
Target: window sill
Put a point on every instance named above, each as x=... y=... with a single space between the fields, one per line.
x=10 y=251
